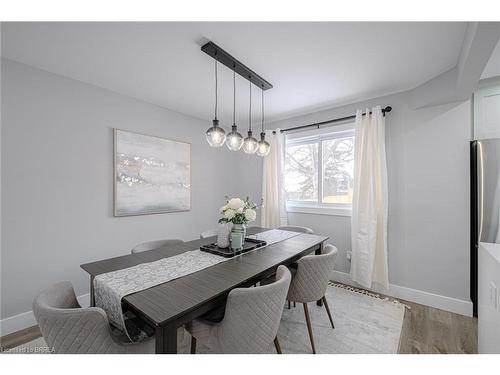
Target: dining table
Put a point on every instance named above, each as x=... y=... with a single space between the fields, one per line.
x=168 y=306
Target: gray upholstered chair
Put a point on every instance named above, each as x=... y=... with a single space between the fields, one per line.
x=151 y=245
x=310 y=283
x=208 y=233
x=298 y=229
x=295 y=228
x=69 y=328
x=250 y=322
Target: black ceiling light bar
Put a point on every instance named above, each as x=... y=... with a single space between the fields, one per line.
x=226 y=59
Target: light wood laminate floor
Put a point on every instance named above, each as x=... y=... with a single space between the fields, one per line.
x=430 y=330
x=18 y=338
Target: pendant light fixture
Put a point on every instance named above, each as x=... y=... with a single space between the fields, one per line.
x=234 y=140
x=250 y=143
x=263 y=146
x=216 y=136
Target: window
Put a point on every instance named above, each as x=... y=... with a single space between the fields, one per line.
x=319 y=171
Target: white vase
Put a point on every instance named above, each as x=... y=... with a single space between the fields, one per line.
x=223 y=235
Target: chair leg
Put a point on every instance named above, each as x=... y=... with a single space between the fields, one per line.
x=289 y=306
x=328 y=311
x=193 y=345
x=277 y=345
x=294 y=304
x=309 y=327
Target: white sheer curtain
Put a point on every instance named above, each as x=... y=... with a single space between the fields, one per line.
x=369 y=206
x=274 y=210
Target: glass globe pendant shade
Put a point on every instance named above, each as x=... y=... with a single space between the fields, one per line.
x=234 y=140
x=263 y=146
x=250 y=144
x=216 y=136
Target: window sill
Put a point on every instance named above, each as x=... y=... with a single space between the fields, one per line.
x=319 y=210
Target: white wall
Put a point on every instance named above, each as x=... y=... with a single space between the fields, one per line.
x=428 y=226
x=0 y=172
x=57 y=180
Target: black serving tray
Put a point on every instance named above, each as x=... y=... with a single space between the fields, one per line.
x=248 y=245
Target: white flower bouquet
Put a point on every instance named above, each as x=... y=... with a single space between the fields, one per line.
x=238 y=211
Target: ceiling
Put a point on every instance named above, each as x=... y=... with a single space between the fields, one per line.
x=311 y=65
x=492 y=69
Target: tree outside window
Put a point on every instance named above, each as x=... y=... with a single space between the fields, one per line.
x=338 y=164
x=319 y=171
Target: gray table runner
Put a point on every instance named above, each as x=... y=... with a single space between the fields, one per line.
x=111 y=287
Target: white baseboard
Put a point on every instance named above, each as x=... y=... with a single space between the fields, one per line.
x=16 y=323
x=418 y=296
x=27 y=319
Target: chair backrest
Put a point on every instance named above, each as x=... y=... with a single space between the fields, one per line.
x=295 y=228
x=313 y=274
x=253 y=315
x=151 y=245
x=208 y=233
x=68 y=328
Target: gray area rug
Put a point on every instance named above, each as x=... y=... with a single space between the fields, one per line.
x=363 y=325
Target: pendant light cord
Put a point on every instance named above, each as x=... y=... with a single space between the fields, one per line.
x=234 y=95
x=262 y=110
x=250 y=108
x=216 y=89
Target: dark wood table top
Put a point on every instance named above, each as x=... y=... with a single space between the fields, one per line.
x=175 y=299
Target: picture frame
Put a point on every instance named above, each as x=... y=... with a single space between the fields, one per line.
x=152 y=175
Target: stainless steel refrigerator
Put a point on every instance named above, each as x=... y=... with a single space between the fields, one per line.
x=485 y=202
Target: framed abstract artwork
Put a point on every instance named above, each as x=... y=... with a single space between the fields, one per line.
x=151 y=175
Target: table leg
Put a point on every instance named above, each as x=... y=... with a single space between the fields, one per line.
x=318 y=251
x=166 y=340
x=92 y=297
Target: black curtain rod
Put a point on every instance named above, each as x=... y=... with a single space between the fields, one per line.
x=318 y=124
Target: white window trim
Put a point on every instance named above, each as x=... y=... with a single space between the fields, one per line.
x=332 y=210
x=320 y=208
